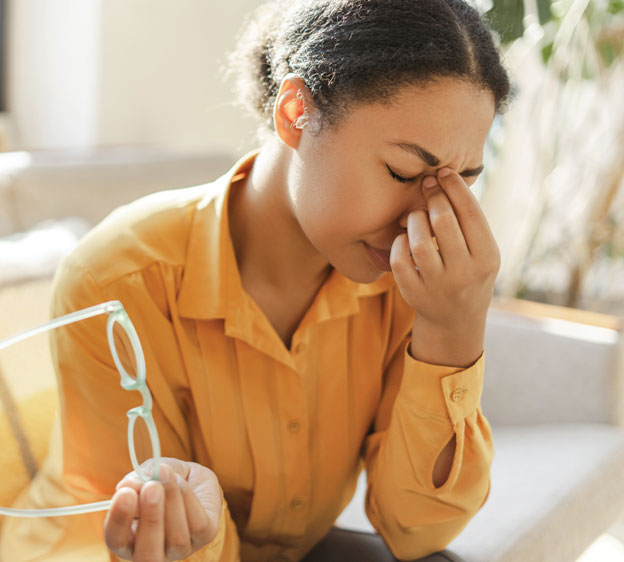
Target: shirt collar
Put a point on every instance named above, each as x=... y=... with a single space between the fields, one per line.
x=211 y=286
x=211 y=282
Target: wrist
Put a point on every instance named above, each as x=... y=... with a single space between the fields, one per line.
x=456 y=346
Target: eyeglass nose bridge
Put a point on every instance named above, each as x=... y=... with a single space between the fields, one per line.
x=145 y=413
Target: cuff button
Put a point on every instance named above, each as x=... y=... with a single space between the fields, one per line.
x=457 y=395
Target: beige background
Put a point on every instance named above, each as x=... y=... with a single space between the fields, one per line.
x=86 y=73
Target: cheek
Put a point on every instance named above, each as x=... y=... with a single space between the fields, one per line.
x=326 y=201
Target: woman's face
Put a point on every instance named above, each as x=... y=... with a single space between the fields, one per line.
x=346 y=184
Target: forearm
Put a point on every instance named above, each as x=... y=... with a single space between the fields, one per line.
x=429 y=470
x=443 y=465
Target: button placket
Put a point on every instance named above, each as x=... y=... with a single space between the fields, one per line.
x=296 y=452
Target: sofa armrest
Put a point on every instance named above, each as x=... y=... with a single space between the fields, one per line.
x=551 y=370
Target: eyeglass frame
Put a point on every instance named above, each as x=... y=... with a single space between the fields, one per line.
x=116 y=315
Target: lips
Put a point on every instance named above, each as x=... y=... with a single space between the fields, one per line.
x=378 y=257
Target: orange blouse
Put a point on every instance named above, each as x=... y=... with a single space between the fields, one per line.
x=286 y=430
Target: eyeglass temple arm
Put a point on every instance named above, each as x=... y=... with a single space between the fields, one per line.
x=104 y=308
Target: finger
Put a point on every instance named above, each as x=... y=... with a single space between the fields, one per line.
x=118 y=532
x=134 y=481
x=470 y=216
x=406 y=275
x=130 y=480
x=444 y=222
x=422 y=247
x=203 y=523
x=177 y=535
x=149 y=543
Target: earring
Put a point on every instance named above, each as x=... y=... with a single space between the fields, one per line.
x=302 y=120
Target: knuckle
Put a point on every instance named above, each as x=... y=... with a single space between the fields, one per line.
x=116 y=544
x=443 y=218
x=458 y=288
x=123 y=553
x=497 y=259
x=202 y=528
x=151 y=515
x=151 y=518
x=492 y=266
x=419 y=249
x=472 y=212
x=179 y=542
x=113 y=541
x=202 y=534
x=400 y=264
x=152 y=557
x=178 y=551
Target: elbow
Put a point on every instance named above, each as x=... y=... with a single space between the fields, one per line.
x=418 y=543
x=428 y=528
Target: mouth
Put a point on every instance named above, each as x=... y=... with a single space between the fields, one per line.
x=378 y=257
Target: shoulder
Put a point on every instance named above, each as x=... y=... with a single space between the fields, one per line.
x=152 y=230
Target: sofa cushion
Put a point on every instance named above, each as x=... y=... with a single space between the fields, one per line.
x=36 y=253
x=91 y=183
x=555 y=488
x=548 y=370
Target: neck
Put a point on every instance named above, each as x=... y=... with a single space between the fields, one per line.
x=271 y=248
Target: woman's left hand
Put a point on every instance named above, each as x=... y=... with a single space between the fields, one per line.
x=450 y=289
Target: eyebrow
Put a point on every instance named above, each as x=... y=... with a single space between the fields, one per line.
x=430 y=159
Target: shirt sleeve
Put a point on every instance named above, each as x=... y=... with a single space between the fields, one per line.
x=422 y=407
x=92 y=456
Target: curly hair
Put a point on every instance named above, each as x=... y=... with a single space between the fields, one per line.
x=362 y=50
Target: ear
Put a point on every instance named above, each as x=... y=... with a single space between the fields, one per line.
x=290 y=109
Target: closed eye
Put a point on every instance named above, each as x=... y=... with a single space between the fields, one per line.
x=399 y=178
x=465 y=174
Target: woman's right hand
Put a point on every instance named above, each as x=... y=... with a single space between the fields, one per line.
x=164 y=520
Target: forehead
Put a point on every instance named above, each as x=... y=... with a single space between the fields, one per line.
x=449 y=118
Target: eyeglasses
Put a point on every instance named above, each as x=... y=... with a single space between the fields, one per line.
x=128 y=357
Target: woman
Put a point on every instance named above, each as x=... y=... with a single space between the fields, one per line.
x=319 y=309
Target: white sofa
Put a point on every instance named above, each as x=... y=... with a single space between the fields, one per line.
x=553 y=391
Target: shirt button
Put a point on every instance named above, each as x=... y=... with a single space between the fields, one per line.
x=300 y=348
x=294 y=426
x=296 y=503
x=457 y=394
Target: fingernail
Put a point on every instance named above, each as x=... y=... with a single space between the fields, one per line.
x=429 y=182
x=164 y=474
x=124 y=501
x=153 y=493
x=443 y=172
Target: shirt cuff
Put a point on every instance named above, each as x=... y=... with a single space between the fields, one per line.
x=444 y=392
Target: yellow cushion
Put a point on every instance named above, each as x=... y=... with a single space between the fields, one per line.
x=24 y=433
x=28 y=393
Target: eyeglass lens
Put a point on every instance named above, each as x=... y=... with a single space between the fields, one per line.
x=125 y=350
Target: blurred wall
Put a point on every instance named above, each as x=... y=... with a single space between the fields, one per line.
x=86 y=73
